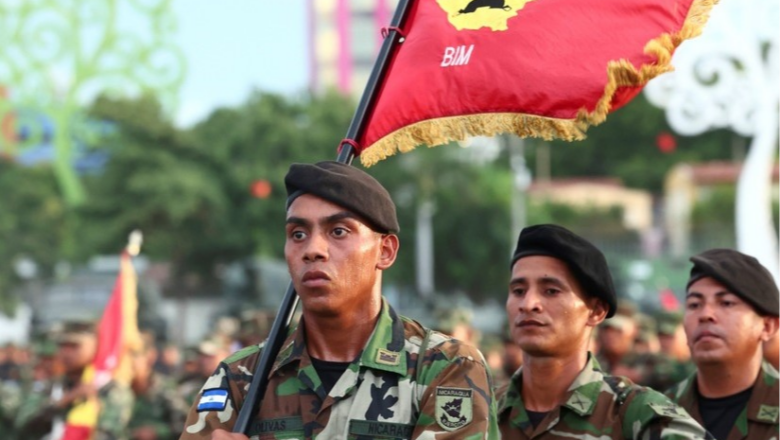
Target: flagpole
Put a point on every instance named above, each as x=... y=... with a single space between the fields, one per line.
x=346 y=153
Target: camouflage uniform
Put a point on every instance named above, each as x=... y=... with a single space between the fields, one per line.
x=10 y=398
x=598 y=407
x=36 y=415
x=161 y=408
x=380 y=395
x=759 y=419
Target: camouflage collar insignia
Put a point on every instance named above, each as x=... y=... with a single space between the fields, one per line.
x=453 y=407
x=768 y=413
x=579 y=403
x=385 y=348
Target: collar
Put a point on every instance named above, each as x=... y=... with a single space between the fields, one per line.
x=762 y=407
x=581 y=397
x=763 y=404
x=383 y=351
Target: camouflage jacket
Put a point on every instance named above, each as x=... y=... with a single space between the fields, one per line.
x=161 y=408
x=10 y=398
x=36 y=415
x=380 y=395
x=759 y=419
x=598 y=406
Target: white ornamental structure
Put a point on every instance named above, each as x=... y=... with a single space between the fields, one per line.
x=729 y=77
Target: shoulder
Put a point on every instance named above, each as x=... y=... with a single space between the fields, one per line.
x=242 y=363
x=439 y=348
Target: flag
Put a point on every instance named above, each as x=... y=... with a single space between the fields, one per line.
x=117 y=336
x=543 y=68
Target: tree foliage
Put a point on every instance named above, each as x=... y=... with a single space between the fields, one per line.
x=625 y=146
x=190 y=191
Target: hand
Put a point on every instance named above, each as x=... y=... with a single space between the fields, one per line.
x=81 y=392
x=220 y=434
x=144 y=433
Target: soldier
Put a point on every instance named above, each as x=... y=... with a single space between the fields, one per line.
x=671 y=336
x=560 y=290
x=210 y=354
x=731 y=308
x=616 y=340
x=158 y=413
x=352 y=368
x=10 y=399
x=646 y=340
x=456 y=322
x=43 y=411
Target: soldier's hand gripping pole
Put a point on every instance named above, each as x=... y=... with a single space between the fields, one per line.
x=347 y=152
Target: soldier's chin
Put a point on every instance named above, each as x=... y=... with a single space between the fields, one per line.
x=705 y=357
x=536 y=350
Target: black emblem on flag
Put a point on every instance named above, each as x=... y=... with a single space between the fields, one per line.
x=476 y=4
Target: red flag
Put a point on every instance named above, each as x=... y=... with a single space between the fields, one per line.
x=545 y=68
x=117 y=336
x=669 y=301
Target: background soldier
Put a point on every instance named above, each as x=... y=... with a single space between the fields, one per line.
x=43 y=411
x=209 y=354
x=352 y=367
x=560 y=290
x=731 y=308
x=158 y=412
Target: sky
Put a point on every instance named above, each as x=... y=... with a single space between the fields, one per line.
x=235 y=46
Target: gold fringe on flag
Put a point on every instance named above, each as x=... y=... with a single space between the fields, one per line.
x=621 y=73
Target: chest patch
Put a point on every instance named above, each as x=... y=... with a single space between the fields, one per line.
x=292 y=425
x=214 y=399
x=453 y=407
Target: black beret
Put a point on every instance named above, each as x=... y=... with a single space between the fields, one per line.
x=345 y=186
x=586 y=262
x=742 y=274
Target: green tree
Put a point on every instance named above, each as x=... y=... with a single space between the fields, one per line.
x=625 y=147
x=34 y=224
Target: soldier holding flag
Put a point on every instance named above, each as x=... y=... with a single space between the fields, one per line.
x=353 y=367
x=43 y=412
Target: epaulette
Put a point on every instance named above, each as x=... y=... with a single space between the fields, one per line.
x=244 y=353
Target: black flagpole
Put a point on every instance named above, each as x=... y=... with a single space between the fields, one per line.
x=281 y=324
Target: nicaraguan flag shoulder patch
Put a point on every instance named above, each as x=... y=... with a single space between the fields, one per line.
x=214 y=399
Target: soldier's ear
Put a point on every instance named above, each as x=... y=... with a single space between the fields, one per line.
x=388 y=251
x=771 y=324
x=597 y=311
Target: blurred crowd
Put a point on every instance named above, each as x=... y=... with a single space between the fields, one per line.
x=39 y=382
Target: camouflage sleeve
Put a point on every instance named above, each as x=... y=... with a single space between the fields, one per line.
x=116 y=407
x=458 y=401
x=650 y=415
x=35 y=413
x=215 y=406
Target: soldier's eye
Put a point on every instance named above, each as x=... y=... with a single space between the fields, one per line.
x=297 y=235
x=339 y=232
